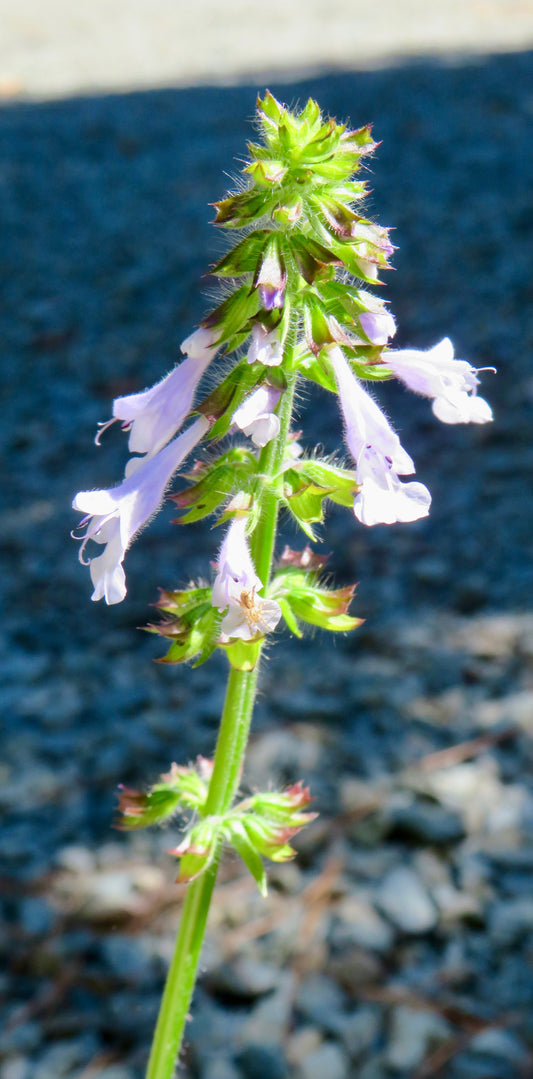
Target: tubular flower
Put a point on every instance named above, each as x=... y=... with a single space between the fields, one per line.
x=235 y=588
x=256 y=417
x=271 y=279
x=114 y=517
x=154 y=416
x=264 y=347
x=378 y=454
x=452 y=383
x=378 y=326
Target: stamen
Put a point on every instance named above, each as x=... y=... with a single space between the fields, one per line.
x=101 y=428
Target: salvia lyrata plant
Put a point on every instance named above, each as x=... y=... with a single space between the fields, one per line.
x=299 y=302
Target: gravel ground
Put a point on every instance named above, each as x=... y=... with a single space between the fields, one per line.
x=400 y=943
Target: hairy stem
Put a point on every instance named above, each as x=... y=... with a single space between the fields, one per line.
x=227 y=768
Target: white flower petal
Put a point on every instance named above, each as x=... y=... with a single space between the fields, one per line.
x=265 y=347
x=263 y=429
x=462 y=408
x=391 y=502
x=202 y=341
x=255 y=417
x=107 y=574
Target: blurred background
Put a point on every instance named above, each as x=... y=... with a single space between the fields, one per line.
x=400 y=942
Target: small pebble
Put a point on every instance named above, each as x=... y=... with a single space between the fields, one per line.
x=413 y=1034
x=329 y=1061
x=263 y=1062
x=403 y=898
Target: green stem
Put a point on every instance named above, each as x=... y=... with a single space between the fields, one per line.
x=227 y=767
x=270 y=461
x=233 y=735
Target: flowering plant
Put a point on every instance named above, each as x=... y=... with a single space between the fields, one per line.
x=297 y=307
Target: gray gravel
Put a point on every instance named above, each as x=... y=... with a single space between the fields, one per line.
x=105 y=237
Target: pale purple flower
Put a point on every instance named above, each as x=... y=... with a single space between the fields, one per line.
x=383 y=498
x=271 y=281
x=452 y=383
x=378 y=326
x=369 y=268
x=199 y=343
x=115 y=516
x=236 y=586
x=154 y=416
x=256 y=417
x=378 y=454
x=265 y=347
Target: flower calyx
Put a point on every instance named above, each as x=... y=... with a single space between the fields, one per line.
x=182 y=788
x=302 y=596
x=190 y=624
x=307 y=482
x=247 y=615
x=213 y=482
x=261 y=826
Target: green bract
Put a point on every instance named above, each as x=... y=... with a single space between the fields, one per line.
x=181 y=788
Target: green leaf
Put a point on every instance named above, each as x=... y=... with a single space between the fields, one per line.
x=315 y=616
x=198 y=849
x=306 y=502
x=140 y=810
x=271 y=108
x=338 y=217
x=314 y=368
x=181 y=602
x=289 y=617
x=341 y=483
x=181 y=788
x=217 y=480
x=310 y=115
x=196 y=641
x=336 y=167
x=266 y=172
x=220 y=405
x=238 y=210
x=238 y=838
x=192 y=866
x=372 y=372
x=243 y=258
x=234 y=313
x=317 y=326
x=192 y=627
x=346 y=251
x=312 y=257
x=360 y=139
x=308 y=600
